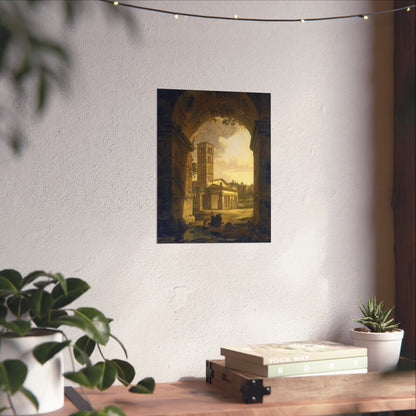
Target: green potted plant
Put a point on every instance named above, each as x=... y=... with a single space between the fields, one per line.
x=34 y=311
x=380 y=335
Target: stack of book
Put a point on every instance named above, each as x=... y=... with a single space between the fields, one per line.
x=296 y=359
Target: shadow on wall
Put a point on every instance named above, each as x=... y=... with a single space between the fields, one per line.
x=368 y=165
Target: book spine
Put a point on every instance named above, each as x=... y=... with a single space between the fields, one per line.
x=313 y=367
x=333 y=373
x=314 y=356
x=309 y=367
x=262 y=358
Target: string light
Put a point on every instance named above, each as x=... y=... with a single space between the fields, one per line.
x=247 y=19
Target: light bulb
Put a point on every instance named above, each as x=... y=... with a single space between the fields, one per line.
x=302 y=20
x=235 y=16
x=408 y=9
x=176 y=16
x=365 y=17
x=115 y=3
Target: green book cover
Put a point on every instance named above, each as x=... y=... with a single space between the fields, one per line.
x=299 y=368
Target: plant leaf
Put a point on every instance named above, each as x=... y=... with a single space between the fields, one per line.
x=45 y=351
x=54 y=277
x=145 y=386
x=44 y=283
x=105 y=411
x=3 y=312
x=83 y=358
x=18 y=305
x=12 y=375
x=389 y=312
x=108 y=374
x=83 y=349
x=88 y=376
x=31 y=277
x=75 y=321
x=125 y=371
x=40 y=304
x=30 y=396
x=120 y=343
x=75 y=288
x=62 y=281
x=374 y=317
x=110 y=411
x=98 y=328
x=13 y=276
x=6 y=287
x=83 y=413
x=18 y=327
x=94 y=326
x=55 y=316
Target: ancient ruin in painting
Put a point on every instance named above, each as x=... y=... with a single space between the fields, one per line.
x=213 y=167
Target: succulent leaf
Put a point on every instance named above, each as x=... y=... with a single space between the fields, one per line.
x=375 y=318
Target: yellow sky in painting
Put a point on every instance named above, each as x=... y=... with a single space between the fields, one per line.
x=236 y=160
x=233 y=159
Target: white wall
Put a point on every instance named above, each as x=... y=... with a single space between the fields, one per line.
x=82 y=197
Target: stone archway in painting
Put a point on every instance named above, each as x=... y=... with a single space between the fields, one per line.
x=180 y=115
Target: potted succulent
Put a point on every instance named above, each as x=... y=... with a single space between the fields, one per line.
x=34 y=310
x=380 y=335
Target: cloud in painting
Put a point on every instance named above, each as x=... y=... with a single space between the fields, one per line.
x=233 y=159
x=211 y=132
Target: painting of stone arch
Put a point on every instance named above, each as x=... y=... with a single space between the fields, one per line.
x=213 y=167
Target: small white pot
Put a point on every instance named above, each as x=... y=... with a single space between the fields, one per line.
x=44 y=381
x=383 y=348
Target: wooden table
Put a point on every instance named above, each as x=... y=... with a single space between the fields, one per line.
x=198 y=398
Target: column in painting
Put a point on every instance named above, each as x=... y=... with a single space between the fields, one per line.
x=182 y=195
x=260 y=145
x=165 y=223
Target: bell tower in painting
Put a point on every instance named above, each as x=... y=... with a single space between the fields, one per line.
x=205 y=161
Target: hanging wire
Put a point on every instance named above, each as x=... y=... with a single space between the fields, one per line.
x=248 y=19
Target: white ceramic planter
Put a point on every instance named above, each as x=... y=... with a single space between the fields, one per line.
x=383 y=348
x=44 y=381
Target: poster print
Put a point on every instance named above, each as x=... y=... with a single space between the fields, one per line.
x=213 y=167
